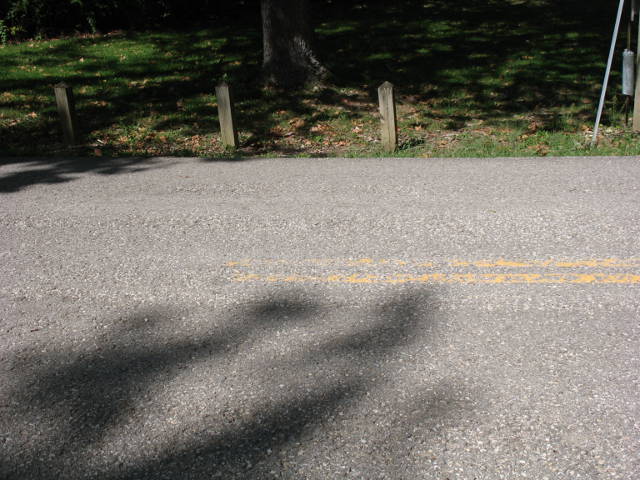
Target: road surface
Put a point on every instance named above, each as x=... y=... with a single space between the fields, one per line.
x=320 y=318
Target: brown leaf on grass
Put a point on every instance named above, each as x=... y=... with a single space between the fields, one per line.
x=97 y=152
x=354 y=103
x=297 y=123
x=195 y=140
x=278 y=131
x=541 y=150
x=319 y=128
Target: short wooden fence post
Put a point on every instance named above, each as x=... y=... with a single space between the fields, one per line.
x=226 y=114
x=388 y=113
x=67 y=112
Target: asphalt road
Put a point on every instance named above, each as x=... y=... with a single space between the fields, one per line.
x=320 y=318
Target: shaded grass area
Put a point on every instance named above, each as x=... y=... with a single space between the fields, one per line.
x=495 y=78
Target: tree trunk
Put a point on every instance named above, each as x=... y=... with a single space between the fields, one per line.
x=288 y=56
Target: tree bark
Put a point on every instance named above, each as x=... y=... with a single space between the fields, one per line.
x=288 y=56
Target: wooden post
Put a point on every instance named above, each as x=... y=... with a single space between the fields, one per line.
x=388 y=113
x=226 y=114
x=67 y=112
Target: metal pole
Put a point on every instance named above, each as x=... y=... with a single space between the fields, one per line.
x=607 y=73
x=636 y=100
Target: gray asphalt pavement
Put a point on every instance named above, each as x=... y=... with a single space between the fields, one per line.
x=320 y=318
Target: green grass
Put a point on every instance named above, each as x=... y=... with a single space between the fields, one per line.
x=495 y=78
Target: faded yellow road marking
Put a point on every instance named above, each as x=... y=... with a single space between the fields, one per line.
x=389 y=271
x=451 y=278
x=499 y=263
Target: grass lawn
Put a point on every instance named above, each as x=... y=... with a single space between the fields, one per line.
x=494 y=78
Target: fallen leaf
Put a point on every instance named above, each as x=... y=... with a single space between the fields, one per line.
x=319 y=128
x=277 y=131
x=541 y=150
x=297 y=123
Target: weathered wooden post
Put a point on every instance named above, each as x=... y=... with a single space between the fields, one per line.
x=388 y=113
x=67 y=112
x=636 y=99
x=226 y=114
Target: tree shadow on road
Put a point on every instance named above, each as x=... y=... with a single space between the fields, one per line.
x=26 y=172
x=229 y=398
x=51 y=171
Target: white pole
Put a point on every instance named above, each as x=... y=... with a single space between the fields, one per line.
x=607 y=73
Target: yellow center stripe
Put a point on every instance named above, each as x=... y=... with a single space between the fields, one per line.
x=499 y=263
x=451 y=278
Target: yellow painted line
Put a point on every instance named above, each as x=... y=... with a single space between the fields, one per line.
x=451 y=278
x=500 y=263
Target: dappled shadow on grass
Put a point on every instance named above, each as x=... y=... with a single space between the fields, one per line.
x=153 y=397
x=494 y=58
x=455 y=62
x=169 y=85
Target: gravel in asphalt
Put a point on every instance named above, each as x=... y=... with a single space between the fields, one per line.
x=320 y=318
